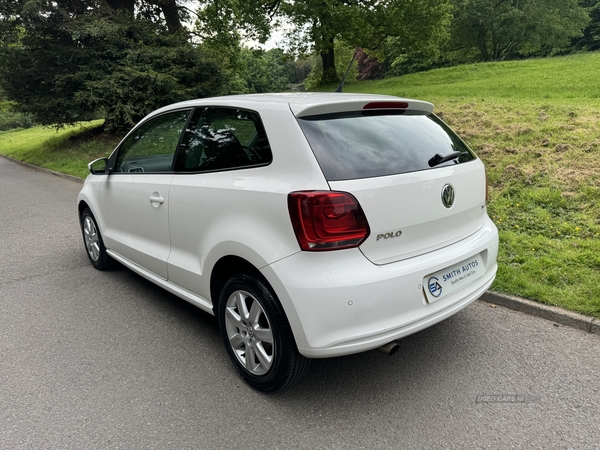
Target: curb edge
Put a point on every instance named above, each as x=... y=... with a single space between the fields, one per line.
x=552 y=313
x=41 y=169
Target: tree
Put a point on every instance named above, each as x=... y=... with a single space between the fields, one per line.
x=64 y=61
x=318 y=24
x=10 y=119
x=495 y=30
x=298 y=69
x=368 y=67
x=170 y=11
x=264 y=71
x=221 y=23
x=591 y=34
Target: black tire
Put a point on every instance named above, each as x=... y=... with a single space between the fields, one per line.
x=92 y=240
x=266 y=366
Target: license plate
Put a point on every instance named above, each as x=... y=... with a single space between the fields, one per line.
x=444 y=282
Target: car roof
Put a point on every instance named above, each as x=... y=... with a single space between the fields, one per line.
x=306 y=103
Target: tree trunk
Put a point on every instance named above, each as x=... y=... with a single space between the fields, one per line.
x=483 y=45
x=171 y=13
x=328 y=58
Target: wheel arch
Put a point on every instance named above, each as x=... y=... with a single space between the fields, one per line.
x=227 y=266
x=81 y=206
x=224 y=269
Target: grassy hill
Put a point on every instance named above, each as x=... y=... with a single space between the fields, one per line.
x=574 y=77
x=536 y=125
x=66 y=150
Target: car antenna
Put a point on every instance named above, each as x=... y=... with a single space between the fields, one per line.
x=339 y=88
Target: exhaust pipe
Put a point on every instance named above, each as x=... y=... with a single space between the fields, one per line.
x=390 y=349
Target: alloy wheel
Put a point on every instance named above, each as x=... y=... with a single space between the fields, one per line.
x=249 y=332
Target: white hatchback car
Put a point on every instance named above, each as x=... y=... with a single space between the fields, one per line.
x=311 y=225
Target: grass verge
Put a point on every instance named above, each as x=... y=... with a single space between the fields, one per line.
x=67 y=150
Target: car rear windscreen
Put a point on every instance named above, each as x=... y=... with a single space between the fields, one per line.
x=363 y=145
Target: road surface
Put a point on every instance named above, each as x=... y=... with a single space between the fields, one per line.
x=93 y=359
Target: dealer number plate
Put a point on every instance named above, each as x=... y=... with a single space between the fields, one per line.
x=453 y=278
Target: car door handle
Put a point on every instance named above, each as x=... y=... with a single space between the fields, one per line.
x=156 y=198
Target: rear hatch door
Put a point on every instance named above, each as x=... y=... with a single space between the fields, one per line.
x=391 y=156
x=407 y=215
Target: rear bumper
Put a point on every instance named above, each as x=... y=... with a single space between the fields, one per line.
x=339 y=303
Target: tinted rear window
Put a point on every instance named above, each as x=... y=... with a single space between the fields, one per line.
x=354 y=145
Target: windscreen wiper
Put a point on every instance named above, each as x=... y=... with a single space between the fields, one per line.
x=440 y=158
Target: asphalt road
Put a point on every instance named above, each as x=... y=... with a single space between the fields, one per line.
x=93 y=359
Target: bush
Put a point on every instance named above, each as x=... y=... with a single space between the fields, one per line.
x=10 y=120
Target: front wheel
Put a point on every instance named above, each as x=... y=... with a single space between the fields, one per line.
x=94 y=245
x=257 y=334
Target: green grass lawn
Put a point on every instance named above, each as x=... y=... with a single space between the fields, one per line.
x=548 y=79
x=67 y=150
x=535 y=124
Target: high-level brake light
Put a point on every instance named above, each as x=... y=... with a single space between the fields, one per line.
x=386 y=105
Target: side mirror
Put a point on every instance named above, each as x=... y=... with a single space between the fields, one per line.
x=99 y=166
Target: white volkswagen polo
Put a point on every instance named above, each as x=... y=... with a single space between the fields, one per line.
x=311 y=225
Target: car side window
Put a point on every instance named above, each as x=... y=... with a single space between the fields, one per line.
x=151 y=148
x=223 y=138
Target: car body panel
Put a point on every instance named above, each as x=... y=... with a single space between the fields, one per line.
x=406 y=213
x=345 y=304
x=191 y=297
x=255 y=218
x=333 y=103
x=337 y=302
x=133 y=226
x=255 y=225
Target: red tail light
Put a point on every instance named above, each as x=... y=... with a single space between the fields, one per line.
x=326 y=220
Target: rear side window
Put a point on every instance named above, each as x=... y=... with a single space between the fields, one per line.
x=357 y=145
x=223 y=138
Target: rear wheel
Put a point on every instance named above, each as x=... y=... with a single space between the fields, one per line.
x=257 y=335
x=94 y=245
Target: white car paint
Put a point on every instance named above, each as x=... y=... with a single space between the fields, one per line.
x=337 y=302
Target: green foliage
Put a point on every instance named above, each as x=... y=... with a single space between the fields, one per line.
x=483 y=30
x=343 y=56
x=149 y=73
x=313 y=79
x=405 y=47
x=299 y=68
x=221 y=22
x=9 y=119
x=397 y=28
x=264 y=71
x=316 y=25
x=591 y=35
x=70 y=61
